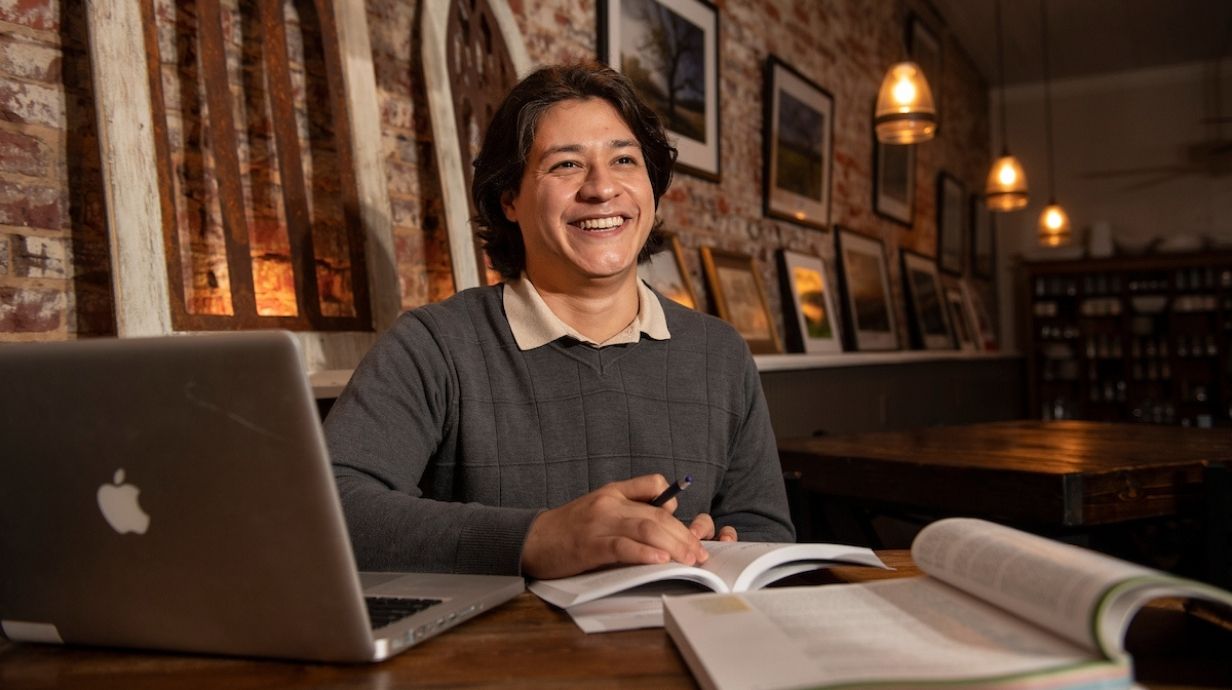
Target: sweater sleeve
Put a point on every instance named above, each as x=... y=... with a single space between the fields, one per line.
x=393 y=419
x=752 y=497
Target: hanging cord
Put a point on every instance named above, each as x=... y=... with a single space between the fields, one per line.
x=1005 y=145
x=1052 y=173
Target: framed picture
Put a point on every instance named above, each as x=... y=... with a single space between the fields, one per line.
x=983 y=239
x=925 y=49
x=812 y=323
x=866 y=291
x=666 y=272
x=894 y=181
x=960 y=315
x=984 y=327
x=951 y=223
x=927 y=312
x=799 y=139
x=669 y=49
x=740 y=299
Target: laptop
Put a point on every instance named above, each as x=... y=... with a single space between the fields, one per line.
x=176 y=494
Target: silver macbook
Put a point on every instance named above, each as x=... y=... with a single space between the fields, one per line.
x=175 y=493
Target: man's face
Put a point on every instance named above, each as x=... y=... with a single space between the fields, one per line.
x=585 y=204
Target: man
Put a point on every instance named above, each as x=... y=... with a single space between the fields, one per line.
x=524 y=427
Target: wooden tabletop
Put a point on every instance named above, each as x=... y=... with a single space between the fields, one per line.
x=1056 y=473
x=522 y=644
x=528 y=644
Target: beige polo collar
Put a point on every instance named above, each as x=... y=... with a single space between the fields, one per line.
x=534 y=324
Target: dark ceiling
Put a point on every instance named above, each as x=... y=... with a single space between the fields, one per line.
x=1091 y=37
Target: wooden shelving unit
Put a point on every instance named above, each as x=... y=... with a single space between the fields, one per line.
x=1145 y=339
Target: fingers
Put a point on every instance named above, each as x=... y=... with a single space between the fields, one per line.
x=702 y=526
x=642 y=488
x=728 y=533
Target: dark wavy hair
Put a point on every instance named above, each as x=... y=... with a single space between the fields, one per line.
x=506 y=145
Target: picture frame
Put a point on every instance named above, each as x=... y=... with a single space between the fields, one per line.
x=985 y=328
x=798 y=136
x=640 y=38
x=813 y=325
x=867 y=300
x=894 y=181
x=983 y=239
x=965 y=335
x=927 y=311
x=666 y=272
x=951 y=223
x=739 y=298
x=926 y=50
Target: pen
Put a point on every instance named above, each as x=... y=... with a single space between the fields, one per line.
x=670 y=492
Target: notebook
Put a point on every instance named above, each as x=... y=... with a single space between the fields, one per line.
x=175 y=494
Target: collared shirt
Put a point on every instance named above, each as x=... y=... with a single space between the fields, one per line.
x=534 y=324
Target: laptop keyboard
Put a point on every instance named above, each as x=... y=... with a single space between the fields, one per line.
x=385 y=610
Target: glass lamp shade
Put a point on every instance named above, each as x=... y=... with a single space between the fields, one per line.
x=1006 y=188
x=906 y=113
x=1054 y=229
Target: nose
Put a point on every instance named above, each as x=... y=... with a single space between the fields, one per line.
x=599 y=184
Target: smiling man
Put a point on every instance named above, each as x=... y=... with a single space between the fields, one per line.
x=525 y=427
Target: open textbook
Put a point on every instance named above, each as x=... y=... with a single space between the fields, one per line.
x=629 y=597
x=998 y=608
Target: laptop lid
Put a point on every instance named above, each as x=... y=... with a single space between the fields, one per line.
x=175 y=493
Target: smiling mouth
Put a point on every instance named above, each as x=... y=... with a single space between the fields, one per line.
x=600 y=224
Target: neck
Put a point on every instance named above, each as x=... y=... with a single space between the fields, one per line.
x=598 y=309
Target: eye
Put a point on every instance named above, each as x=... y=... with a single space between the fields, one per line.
x=627 y=160
x=565 y=165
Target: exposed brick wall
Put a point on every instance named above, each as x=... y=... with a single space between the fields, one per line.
x=57 y=285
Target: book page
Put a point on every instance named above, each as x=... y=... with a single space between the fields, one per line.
x=906 y=632
x=746 y=565
x=1054 y=585
x=578 y=589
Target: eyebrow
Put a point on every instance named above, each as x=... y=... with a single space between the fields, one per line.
x=577 y=148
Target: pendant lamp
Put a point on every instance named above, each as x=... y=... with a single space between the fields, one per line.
x=906 y=113
x=1006 y=188
x=1054 y=229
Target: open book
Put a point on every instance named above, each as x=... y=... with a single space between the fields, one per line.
x=631 y=596
x=997 y=608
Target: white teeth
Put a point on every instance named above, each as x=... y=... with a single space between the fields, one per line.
x=601 y=223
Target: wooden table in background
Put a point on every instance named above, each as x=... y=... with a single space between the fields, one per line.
x=1058 y=474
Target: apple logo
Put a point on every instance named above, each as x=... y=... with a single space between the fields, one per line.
x=118 y=501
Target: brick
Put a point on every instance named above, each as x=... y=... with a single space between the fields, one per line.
x=32 y=104
x=39 y=257
x=28 y=60
x=31 y=206
x=31 y=310
x=4 y=255
x=43 y=15
x=24 y=154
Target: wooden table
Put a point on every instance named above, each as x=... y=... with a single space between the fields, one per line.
x=1057 y=474
x=523 y=644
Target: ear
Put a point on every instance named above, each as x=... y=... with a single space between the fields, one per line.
x=511 y=211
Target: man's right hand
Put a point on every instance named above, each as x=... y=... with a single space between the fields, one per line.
x=612 y=524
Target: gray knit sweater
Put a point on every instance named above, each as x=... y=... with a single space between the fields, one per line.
x=448 y=441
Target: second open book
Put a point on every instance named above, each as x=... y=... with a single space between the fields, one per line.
x=631 y=597
x=999 y=608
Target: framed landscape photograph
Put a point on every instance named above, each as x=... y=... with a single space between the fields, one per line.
x=812 y=323
x=740 y=299
x=669 y=50
x=925 y=49
x=951 y=223
x=927 y=312
x=894 y=181
x=799 y=139
x=666 y=272
x=866 y=291
x=983 y=239
x=985 y=330
x=960 y=315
